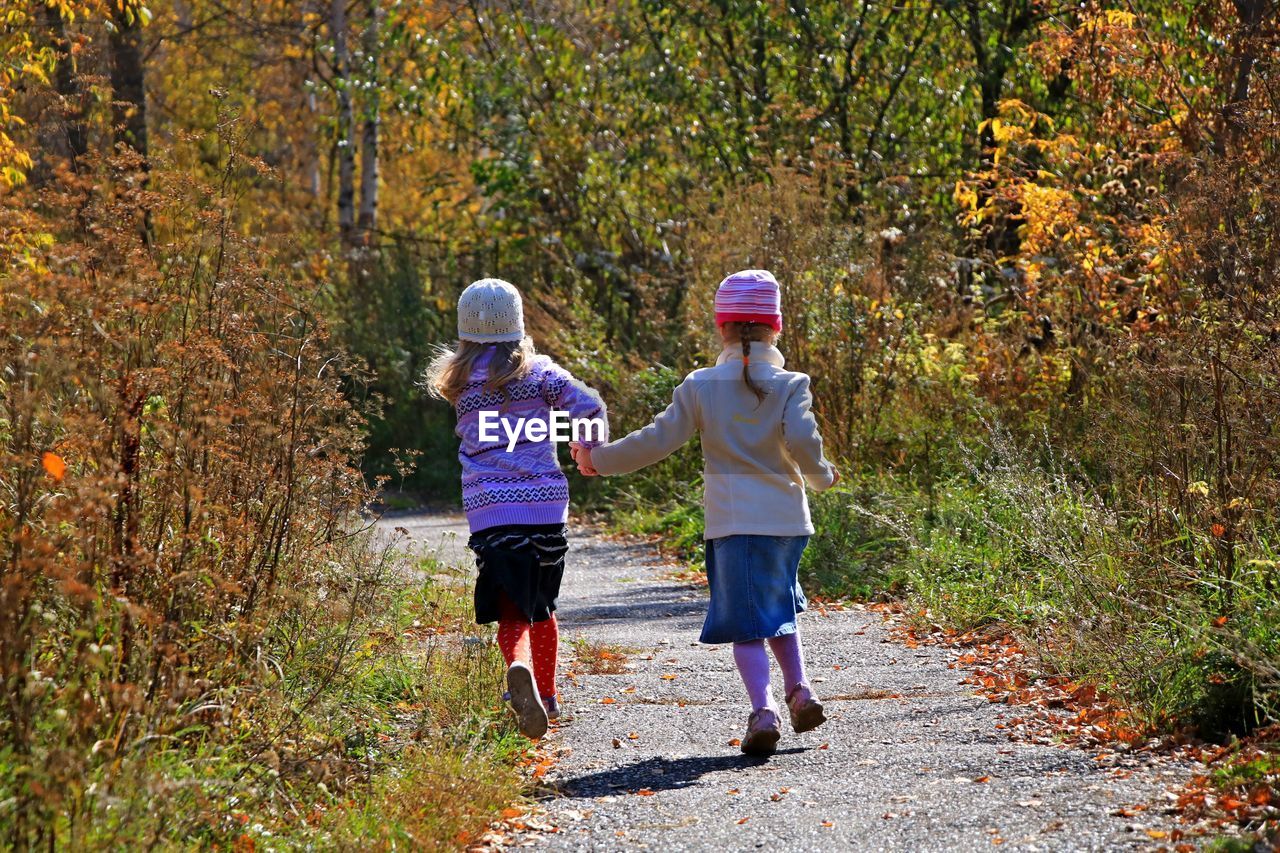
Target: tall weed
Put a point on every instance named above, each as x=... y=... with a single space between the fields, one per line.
x=1021 y=538
x=198 y=643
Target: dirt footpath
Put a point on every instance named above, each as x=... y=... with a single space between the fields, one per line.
x=911 y=759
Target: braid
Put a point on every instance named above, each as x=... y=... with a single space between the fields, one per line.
x=747 y=331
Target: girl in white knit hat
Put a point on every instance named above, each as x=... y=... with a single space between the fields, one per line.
x=761 y=448
x=514 y=494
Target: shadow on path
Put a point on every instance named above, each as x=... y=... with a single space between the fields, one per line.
x=659 y=774
x=636 y=606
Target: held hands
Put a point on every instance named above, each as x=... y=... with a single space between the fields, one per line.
x=582 y=455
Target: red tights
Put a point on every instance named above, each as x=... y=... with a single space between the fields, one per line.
x=534 y=643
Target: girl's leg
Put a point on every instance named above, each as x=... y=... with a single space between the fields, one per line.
x=513 y=632
x=753 y=666
x=790 y=656
x=805 y=709
x=513 y=639
x=545 y=642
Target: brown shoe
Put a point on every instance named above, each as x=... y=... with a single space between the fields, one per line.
x=763 y=733
x=806 y=710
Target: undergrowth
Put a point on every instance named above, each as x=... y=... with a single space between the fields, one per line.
x=1018 y=538
x=200 y=643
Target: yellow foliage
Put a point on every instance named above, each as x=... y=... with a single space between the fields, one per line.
x=965 y=196
x=1108 y=19
x=1045 y=209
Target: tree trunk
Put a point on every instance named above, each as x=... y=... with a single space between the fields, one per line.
x=368 y=219
x=760 y=58
x=68 y=138
x=346 y=121
x=129 y=95
x=1250 y=14
x=128 y=84
x=314 y=184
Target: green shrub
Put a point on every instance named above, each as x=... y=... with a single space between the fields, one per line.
x=1021 y=539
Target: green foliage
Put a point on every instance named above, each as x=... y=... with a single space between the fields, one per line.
x=646 y=501
x=851 y=553
x=1020 y=539
x=1235 y=844
x=392 y=318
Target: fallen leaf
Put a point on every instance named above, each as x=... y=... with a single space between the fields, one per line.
x=734 y=791
x=825 y=746
x=608 y=700
x=827 y=823
x=53 y=466
x=645 y=792
x=743 y=820
x=1129 y=811
x=617 y=744
x=775 y=797
x=510 y=813
x=668 y=677
x=735 y=742
x=633 y=736
x=982 y=779
x=1157 y=834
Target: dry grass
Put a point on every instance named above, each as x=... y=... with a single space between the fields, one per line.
x=438 y=799
x=592 y=658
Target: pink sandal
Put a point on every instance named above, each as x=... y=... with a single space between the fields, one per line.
x=763 y=733
x=806 y=711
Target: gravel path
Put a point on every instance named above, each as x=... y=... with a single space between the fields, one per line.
x=645 y=761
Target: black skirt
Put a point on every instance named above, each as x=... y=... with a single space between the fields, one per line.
x=525 y=561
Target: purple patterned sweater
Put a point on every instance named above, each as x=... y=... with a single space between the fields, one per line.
x=525 y=485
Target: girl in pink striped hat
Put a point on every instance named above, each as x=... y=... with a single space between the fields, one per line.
x=761 y=448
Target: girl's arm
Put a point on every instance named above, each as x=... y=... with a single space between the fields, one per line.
x=804 y=443
x=657 y=441
x=561 y=390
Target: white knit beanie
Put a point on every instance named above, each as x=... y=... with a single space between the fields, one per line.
x=490 y=311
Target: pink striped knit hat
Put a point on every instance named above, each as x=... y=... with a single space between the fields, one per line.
x=750 y=296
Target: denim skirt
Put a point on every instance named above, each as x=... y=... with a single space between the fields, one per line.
x=754 y=590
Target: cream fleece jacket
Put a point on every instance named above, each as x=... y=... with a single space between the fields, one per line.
x=758 y=455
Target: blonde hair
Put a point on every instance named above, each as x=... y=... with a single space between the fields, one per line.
x=451 y=370
x=738 y=332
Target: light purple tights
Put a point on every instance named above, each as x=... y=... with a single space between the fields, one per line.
x=753 y=666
